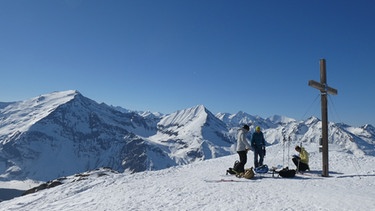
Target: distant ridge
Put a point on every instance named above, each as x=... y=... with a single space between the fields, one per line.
x=62 y=133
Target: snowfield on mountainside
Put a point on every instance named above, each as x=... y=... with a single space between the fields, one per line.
x=205 y=186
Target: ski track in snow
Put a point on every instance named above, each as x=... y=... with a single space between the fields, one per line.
x=351 y=186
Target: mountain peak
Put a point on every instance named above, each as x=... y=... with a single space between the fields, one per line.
x=312 y=120
x=280 y=119
x=184 y=116
x=30 y=111
x=240 y=118
x=57 y=95
x=193 y=134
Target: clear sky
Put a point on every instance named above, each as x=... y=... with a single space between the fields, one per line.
x=168 y=55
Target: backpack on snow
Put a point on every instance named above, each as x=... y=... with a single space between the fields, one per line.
x=234 y=170
x=261 y=169
x=249 y=173
x=287 y=173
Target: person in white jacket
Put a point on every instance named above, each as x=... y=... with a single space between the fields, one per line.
x=243 y=147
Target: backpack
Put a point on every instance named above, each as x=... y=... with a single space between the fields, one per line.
x=287 y=173
x=249 y=173
x=234 y=170
x=261 y=169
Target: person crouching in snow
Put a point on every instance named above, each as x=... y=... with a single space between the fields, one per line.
x=243 y=147
x=301 y=161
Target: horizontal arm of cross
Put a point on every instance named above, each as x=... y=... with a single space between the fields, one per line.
x=323 y=87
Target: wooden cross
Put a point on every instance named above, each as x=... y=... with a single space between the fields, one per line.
x=324 y=90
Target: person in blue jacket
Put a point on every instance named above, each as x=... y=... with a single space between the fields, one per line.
x=258 y=144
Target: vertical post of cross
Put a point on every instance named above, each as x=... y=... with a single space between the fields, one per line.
x=323 y=80
x=324 y=90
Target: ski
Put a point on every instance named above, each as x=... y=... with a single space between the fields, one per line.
x=308 y=174
x=225 y=180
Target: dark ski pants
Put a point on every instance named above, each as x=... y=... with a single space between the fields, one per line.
x=300 y=166
x=243 y=160
x=258 y=153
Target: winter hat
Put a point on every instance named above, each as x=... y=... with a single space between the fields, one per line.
x=257 y=128
x=246 y=127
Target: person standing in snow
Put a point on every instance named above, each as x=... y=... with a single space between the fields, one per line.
x=243 y=147
x=301 y=161
x=259 y=146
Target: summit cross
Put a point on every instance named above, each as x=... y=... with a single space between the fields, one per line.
x=324 y=90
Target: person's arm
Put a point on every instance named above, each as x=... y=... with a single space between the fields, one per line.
x=263 y=140
x=248 y=146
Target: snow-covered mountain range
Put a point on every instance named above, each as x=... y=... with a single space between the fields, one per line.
x=63 y=133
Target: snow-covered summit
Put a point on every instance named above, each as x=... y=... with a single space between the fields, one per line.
x=312 y=120
x=369 y=128
x=280 y=119
x=19 y=116
x=240 y=118
x=193 y=134
x=185 y=117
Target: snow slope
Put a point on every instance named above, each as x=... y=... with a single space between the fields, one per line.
x=193 y=134
x=351 y=186
x=22 y=115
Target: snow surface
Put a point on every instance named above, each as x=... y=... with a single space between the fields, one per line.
x=350 y=186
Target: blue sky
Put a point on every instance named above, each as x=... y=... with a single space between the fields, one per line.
x=168 y=55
